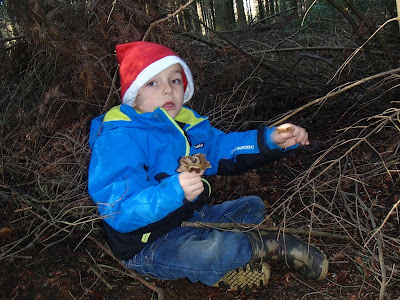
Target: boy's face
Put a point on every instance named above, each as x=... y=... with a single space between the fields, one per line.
x=163 y=90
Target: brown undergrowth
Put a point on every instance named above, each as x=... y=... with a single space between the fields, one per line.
x=62 y=73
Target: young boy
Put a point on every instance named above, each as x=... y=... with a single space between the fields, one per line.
x=133 y=179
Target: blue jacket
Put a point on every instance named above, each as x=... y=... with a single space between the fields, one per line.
x=132 y=172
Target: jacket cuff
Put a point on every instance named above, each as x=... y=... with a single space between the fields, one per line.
x=265 y=135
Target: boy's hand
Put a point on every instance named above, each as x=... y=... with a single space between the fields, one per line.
x=191 y=184
x=288 y=135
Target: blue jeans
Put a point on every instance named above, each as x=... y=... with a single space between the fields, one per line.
x=202 y=254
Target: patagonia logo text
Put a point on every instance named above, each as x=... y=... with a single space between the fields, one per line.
x=246 y=147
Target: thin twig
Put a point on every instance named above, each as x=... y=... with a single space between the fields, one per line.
x=362 y=46
x=377 y=230
x=97 y=273
x=112 y=9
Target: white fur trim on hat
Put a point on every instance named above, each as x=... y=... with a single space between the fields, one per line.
x=152 y=70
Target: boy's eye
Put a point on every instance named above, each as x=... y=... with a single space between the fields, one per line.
x=151 y=83
x=176 y=81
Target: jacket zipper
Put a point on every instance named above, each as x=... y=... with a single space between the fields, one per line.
x=187 y=142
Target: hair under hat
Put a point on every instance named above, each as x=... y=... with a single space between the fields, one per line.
x=140 y=61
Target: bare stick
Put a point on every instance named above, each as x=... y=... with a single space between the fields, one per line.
x=159 y=291
x=169 y=16
x=248 y=227
x=112 y=9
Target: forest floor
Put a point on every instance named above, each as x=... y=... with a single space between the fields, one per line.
x=61 y=273
x=65 y=271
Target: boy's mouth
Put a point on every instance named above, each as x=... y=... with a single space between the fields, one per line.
x=168 y=106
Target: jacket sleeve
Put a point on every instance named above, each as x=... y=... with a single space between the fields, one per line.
x=119 y=186
x=237 y=152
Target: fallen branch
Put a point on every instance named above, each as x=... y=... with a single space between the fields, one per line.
x=247 y=227
x=169 y=16
x=331 y=94
x=159 y=291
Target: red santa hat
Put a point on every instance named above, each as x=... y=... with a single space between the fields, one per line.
x=140 y=61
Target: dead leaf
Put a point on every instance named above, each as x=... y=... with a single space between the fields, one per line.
x=338 y=256
x=194 y=163
x=5 y=232
x=359 y=260
x=286 y=280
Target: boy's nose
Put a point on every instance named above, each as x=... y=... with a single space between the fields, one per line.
x=167 y=88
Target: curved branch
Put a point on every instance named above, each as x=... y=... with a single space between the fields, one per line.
x=170 y=16
x=340 y=90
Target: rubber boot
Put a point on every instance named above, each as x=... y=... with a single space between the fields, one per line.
x=306 y=259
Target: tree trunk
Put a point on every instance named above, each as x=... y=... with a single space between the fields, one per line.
x=261 y=10
x=231 y=13
x=271 y=7
x=180 y=17
x=282 y=5
x=241 y=15
x=186 y=16
x=223 y=14
x=398 y=12
x=293 y=3
x=206 y=15
x=195 y=16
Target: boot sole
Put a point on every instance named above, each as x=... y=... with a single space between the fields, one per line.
x=246 y=277
x=324 y=269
